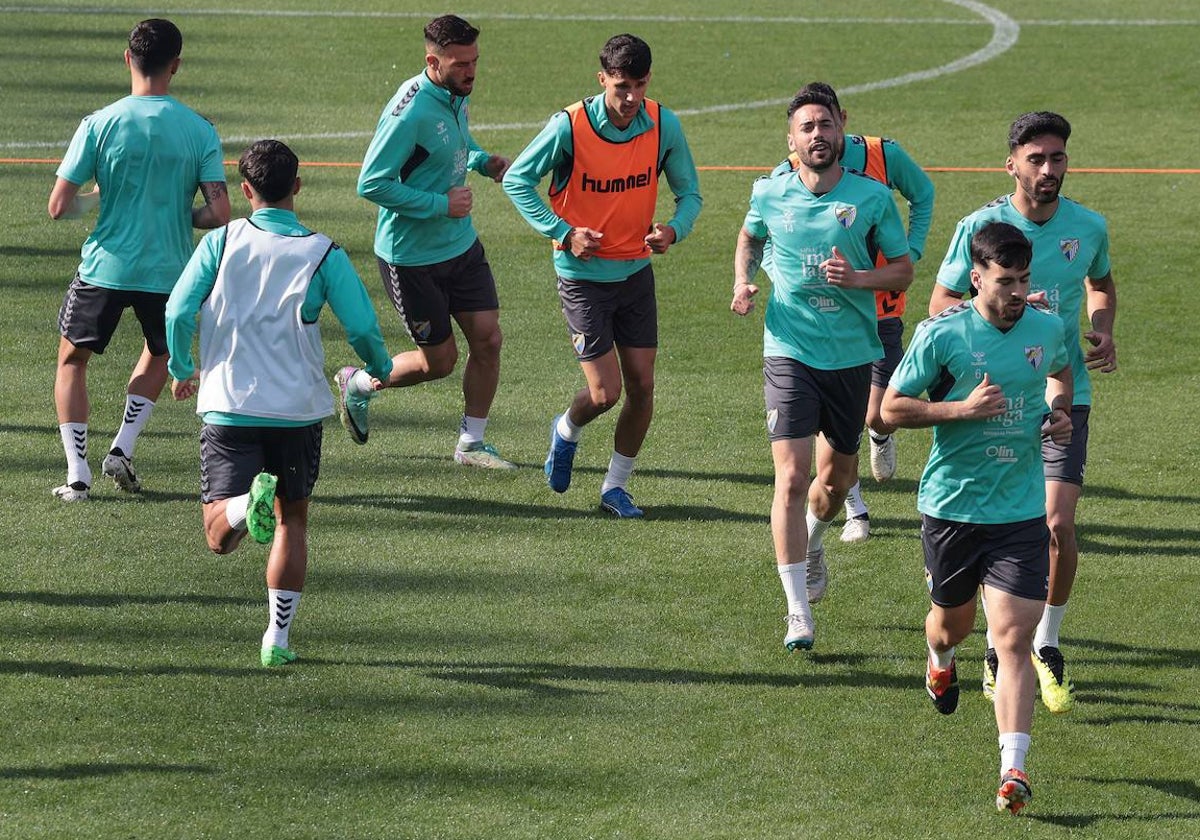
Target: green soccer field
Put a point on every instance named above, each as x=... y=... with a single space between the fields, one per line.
x=481 y=657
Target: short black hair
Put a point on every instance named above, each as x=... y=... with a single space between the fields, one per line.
x=626 y=55
x=1002 y=244
x=448 y=30
x=270 y=167
x=817 y=93
x=1035 y=124
x=820 y=88
x=153 y=45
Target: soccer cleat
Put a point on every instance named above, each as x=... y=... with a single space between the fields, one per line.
x=120 y=469
x=799 y=634
x=942 y=687
x=1014 y=793
x=482 y=455
x=260 y=511
x=619 y=503
x=817 y=578
x=991 y=664
x=76 y=491
x=883 y=458
x=1058 y=693
x=559 y=460
x=352 y=410
x=273 y=656
x=857 y=529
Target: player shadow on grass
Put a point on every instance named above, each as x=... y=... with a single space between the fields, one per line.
x=546 y=678
x=1176 y=789
x=1103 y=538
x=492 y=508
x=122 y=599
x=62 y=669
x=67 y=772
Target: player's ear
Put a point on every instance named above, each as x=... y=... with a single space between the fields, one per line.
x=1010 y=166
x=247 y=190
x=976 y=279
x=296 y=187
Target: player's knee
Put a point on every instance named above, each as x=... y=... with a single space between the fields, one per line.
x=440 y=361
x=604 y=397
x=487 y=348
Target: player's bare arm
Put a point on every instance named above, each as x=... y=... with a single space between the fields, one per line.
x=1102 y=312
x=746 y=260
x=942 y=298
x=895 y=276
x=985 y=401
x=216 y=210
x=1060 y=389
x=66 y=202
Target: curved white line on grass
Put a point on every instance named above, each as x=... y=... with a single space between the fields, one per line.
x=1005 y=32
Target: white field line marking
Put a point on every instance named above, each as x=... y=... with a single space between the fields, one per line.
x=1005 y=35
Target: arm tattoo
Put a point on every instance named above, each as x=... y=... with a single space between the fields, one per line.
x=212 y=190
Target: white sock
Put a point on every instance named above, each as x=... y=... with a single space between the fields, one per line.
x=567 y=430
x=940 y=659
x=855 y=506
x=1013 y=747
x=281 y=606
x=74 y=441
x=876 y=437
x=816 y=530
x=620 y=467
x=360 y=385
x=1047 y=629
x=137 y=413
x=794 y=577
x=470 y=430
x=235 y=511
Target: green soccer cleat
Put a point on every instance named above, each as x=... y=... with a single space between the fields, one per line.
x=1058 y=692
x=274 y=656
x=260 y=511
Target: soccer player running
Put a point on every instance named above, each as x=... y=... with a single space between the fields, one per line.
x=824 y=225
x=886 y=161
x=430 y=258
x=1070 y=265
x=258 y=286
x=605 y=154
x=148 y=154
x=989 y=367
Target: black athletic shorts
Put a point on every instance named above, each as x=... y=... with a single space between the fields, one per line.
x=962 y=556
x=90 y=314
x=891 y=331
x=427 y=295
x=599 y=315
x=803 y=400
x=230 y=457
x=1067 y=463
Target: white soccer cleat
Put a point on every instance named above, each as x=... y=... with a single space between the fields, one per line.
x=120 y=469
x=857 y=529
x=800 y=633
x=883 y=458
x=76 y=491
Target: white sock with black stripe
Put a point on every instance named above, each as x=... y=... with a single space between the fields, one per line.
x=281 y=606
